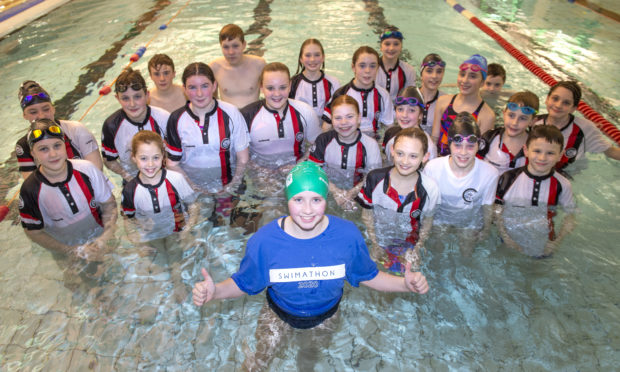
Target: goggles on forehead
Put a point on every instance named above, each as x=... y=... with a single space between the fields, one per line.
x=471 y=66
x=527 y=110
x=472 y=139
x=36 y=135
x=394 y=34
x=122 y=88
x=411 y=101
x=433 y=64
x=34 y=98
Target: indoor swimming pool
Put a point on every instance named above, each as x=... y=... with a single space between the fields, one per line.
x=493 y=310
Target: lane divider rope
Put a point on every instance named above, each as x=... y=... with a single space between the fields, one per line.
x=588 y=112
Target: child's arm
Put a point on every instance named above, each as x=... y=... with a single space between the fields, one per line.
x=503 y=233
x=376 y=252
x=95 y=158
x=243 y=157
x=567 y=226
x=206 y=290
x=613 y=152
x=193 y=211
x=174 y=165
x=412 y=282
x=439 y=109
x=486 y=119
x=115 y=166
x=108 y=218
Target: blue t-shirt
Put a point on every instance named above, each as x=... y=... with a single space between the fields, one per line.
x=305 y=276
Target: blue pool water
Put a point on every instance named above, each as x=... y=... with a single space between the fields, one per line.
x=495 y=310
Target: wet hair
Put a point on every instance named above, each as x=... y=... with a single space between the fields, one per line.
x=345 y=100
x=159 y=60
x=300 y=66
x=148 y=137
x=495 y=69
x=432 y=57
x=197 y=69
x=550 y=133
x=415 y=133
x=231 y=32
x=410 y=92
x=274 y=67
x=31 y=87
x=572 y=86
x=367 y=50
x=128 y=78
x=465 y=125
x=525 y=98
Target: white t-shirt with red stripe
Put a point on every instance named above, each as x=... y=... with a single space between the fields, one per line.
x=315 y=93
x=395 y=79
x=68 y=210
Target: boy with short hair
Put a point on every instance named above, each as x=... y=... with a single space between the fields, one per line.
x=120 y=127
x=503 y=147
x=495 y=80
x=166 y=94
x=527 y=197
x=236 y=73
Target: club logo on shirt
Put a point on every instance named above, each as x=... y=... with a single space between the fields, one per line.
x=92 y=204
x=469 y=195
x=415 y=214
x=482 y=144
x=19 y=151
x=225 y=144
x=299 y=137
x=570 y=152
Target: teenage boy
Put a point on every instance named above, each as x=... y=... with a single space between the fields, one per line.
x=236 y=73
x=166 y=94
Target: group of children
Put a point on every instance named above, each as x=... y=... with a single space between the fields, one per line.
x=445 y=162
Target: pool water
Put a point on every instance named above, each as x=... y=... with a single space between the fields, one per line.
x=492 y=310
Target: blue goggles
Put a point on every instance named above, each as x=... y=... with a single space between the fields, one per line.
x=35 y=98
x=527 y=110
x=433 y=64
x=411 y=101
x=394 y=34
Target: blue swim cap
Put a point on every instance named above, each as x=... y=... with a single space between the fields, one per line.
x=477 y=60
x=306 y=176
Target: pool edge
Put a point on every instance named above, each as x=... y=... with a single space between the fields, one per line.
x=27 y=15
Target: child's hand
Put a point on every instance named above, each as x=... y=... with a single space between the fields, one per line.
x=415 y=281
x=550 y=247
x=204 y=291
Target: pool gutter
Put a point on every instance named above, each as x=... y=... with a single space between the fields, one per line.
x=20 y=15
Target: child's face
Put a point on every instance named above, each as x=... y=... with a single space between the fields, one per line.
x=365 y=70
x=149 y=160
x=345 y=120
x=275 y=89
x=162 y=76
x=408 y=116
x=43 y=110
x=493 y=84
x=542 y=156
x=307 y=210
x=199 y=90
x=463 y=153
x=391 y=48
x=560 y=103
x=233 y=50
x=312 y=58
x=408 y=155
x=516 y=122
x=469 y=82
x=432 y=77
x=133 y=103
x=50 y=154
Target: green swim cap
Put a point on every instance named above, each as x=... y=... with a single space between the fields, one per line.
x=306 y=176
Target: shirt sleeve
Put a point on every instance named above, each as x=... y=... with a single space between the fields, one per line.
x=491 y=184
x=174 y=146
x=24 y=157
x=387 y=113
x=100 y=184
x=317 y=152
x=361 y=267
x=108 y=147
x=240 y=130
x=251 y=277
x=29 y=211
x=312 y=127
x=595 y=141
x=83 y=139
x=128 y=207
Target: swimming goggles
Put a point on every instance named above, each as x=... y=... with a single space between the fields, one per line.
x=433 y=64
x=29 y=99
x=394 y=34
x=122 y=88
x=460 y=139
x=471 y=66
x=411 y=101
x=527 y=110
x=36 y=135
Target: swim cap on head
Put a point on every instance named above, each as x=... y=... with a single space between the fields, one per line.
x=479 y=61
x=306 y=176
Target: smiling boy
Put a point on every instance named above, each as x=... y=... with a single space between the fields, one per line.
x=166 y=94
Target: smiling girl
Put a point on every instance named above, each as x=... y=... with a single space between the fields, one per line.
x=312 y=85
x=472 y=74
x=431 y=74
x=393 y=74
